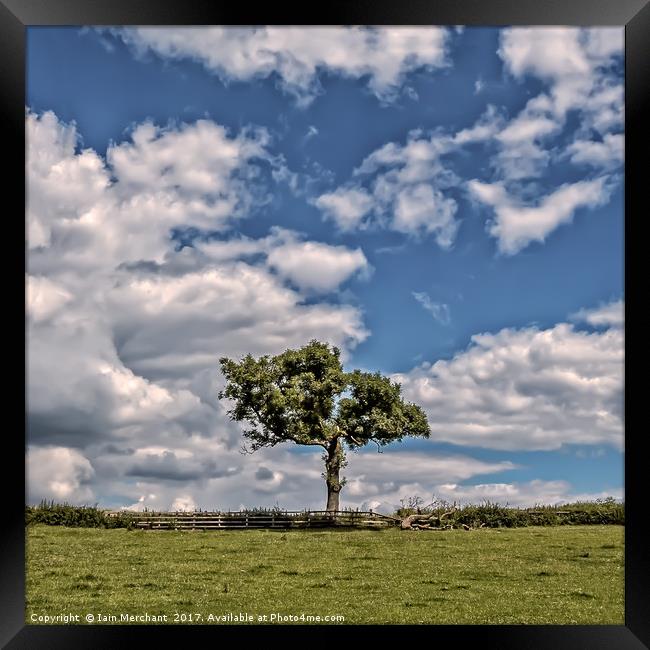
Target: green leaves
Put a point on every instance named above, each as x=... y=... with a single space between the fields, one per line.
x=376 y=411
x=298 y=396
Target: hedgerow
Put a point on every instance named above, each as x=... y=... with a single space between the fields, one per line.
x=64 y=514
x=486 y=515
x=492 y=515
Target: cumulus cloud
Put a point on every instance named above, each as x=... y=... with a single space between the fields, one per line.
x=191 y=175
x=611 y=315
x=45 y=297
x=170 y=326
x=526 y=389
x=167 y=466
x=198 y=161
x=398 y=473
x=125 y=331
x=405 y=192
x=575 y=64
x=316 y=266
x=516 y=225
x=278 y=476
x=297 y=54
x=420 y=208
x=346 y=207
x=63 y=184
x=406 y=187
x=486 y=128
x=183 y=503
x=606 y=154
x=379 y=481
x=59 y=473
x=569 y=58
x=529 y=494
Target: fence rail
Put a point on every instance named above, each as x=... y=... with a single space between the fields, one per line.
x=274 y=520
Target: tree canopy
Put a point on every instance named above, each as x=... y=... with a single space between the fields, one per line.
x=304 y=396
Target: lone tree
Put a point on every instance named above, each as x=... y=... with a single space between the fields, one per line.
x=303 y=396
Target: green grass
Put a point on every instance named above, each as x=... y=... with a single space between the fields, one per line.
x=534 y=575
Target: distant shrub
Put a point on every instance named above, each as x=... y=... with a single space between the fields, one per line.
x=492 y=515
x=275 y=510
x=64 y=514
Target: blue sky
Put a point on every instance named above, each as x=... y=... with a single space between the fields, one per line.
x=444 y=204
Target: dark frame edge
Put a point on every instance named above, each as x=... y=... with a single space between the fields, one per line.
x=637 y=109
x=12 y=118
x=334 y=12
x=16 y=15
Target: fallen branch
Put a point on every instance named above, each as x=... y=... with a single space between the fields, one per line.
x=422 y=522
x=408 y=522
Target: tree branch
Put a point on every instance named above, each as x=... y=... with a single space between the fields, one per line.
x=286 y=435
x=318 y=443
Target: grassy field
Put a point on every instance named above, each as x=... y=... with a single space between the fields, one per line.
x=556 y=575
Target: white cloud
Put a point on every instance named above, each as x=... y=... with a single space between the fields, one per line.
x=315 y=266
x=125 y=332
x=45 y=298
x=611 y=315
x=403 y=187
x=297 y=54
x=278 y=476
x=63 y=184
x=574 y=63
x=60 y=474
x=529 y=494
x=420 y=208
x=309 y=265
x=439 y=311
x=346 y=207
x=388 y=475
x=526 y=127
x=488 y=125
x=568 y=58
x=549 y=53
x=606 y=154
x=198 y=159
x=183 y=504
x=176 y=326
x=79 y=389
x=516 y=225
x=405 y=194
x=194 y=175
x=526 y=389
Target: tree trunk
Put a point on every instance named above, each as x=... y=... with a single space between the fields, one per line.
x=333 y=462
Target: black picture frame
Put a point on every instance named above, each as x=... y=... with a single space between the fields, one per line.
x=634 y=15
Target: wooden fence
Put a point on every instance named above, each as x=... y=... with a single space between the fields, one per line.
x=273 y=520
